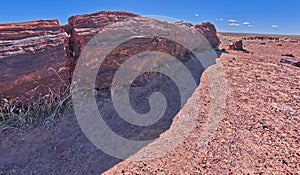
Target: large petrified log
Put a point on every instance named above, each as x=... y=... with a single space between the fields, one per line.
x=137 y=45
x=83 y=27
x=28 y=51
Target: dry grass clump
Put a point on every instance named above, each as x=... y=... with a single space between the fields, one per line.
x=41 y=109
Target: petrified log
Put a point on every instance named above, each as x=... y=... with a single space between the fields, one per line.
x=136 y=45
x=27 y=51
x=30 y=51
x=83 y=27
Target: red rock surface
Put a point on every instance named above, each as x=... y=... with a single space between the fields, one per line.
x=83 y=27
x=135 y=46
x=209 y=31
x=237 y=45
x=27 y=51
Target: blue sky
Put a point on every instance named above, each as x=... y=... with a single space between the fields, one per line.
x=251 y=16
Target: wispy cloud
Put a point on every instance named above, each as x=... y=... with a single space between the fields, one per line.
x=275 y=26
x=234 y=24
x=250 y=25
x=219 y=19
x=232 y=20
x=246 y=23
x=197 y=14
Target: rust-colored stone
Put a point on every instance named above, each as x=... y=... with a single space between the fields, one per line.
x=84 y=27
x=27 y=51
x=237 y=45
x=210 y=32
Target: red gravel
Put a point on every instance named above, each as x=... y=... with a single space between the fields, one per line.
x=259 y=133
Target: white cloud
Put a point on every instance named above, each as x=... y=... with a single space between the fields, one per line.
x=246 y=23
x=234 y=24
x=219 y=19
x=250 y=26
x=232 y=20
x=274 y=26
x=196 y=14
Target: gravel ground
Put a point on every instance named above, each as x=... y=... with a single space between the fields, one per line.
x=259 y=133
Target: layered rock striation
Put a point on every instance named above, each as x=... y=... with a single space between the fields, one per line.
x=31 y=51
x=82 y=28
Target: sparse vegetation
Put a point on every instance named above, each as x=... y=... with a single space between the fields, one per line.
x=42 y=111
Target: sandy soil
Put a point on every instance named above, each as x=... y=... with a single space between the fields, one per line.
x=259 y=132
